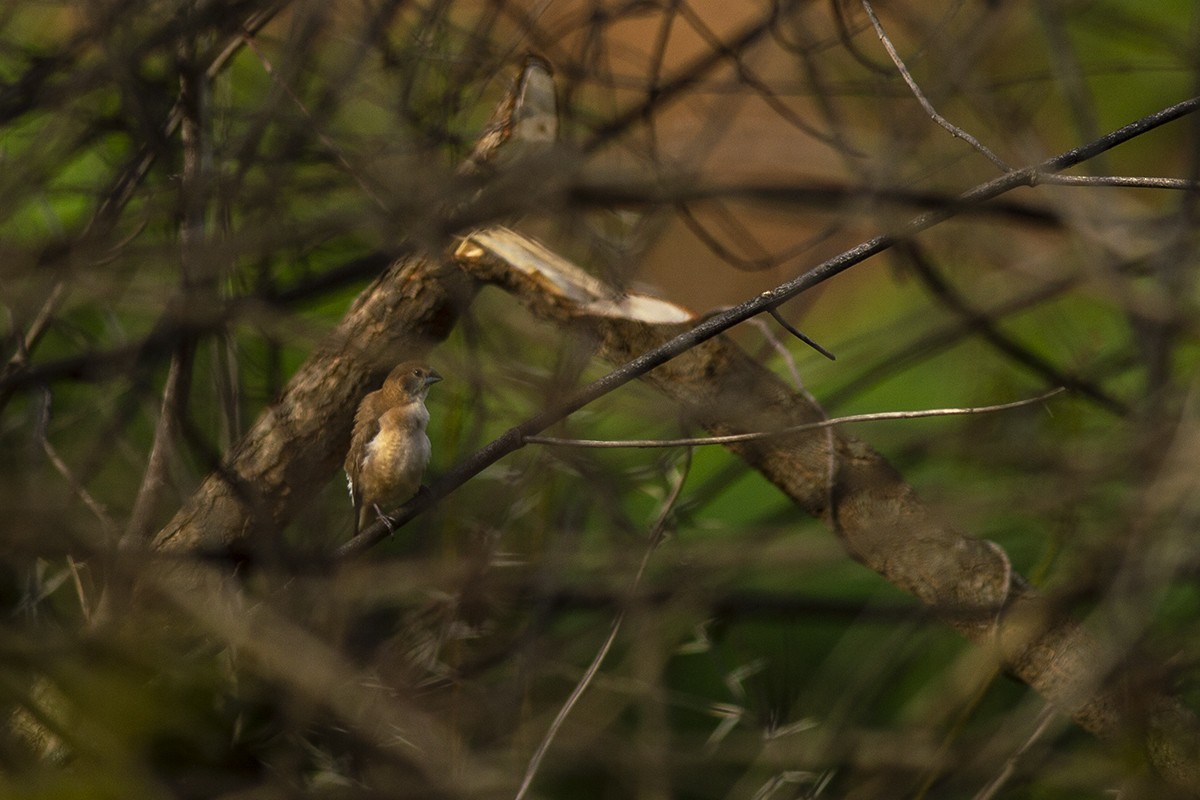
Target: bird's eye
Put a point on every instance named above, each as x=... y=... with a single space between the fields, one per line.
x=417 y=373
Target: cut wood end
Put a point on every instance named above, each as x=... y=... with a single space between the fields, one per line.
x=585 y=294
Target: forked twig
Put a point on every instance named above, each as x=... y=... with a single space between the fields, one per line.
x=950 y=127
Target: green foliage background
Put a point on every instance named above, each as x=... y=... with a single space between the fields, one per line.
x=754 y=659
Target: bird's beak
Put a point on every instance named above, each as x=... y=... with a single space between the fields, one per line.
x=432 y=378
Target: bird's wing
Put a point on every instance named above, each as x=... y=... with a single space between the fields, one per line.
x=366 y=425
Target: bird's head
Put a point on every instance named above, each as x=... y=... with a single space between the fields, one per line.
x=412 y=378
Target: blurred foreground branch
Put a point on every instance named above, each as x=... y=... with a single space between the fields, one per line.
x=297 y=444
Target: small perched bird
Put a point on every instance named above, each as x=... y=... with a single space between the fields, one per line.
x=389 y=449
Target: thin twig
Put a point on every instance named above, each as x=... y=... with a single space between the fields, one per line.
x=983 y=324
x=671 y=189
x=831 y=453
x=193 y=106
x=536 y=760
x=107 y=524
x=692 y=73
x=781 y=350
x=748 y=77
x=735 y=438
x=1046 y=716
x=155 y=479
x=656 y=536
x=85 y=605
x=953 y=129
x=27 y=341
x=1131 y=181
x=333 y=146
x=794 y=331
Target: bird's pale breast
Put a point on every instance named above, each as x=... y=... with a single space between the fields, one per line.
x=396 y=457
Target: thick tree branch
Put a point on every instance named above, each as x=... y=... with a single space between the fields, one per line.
x=878 y=516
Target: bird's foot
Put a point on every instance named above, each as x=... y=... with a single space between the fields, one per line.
x=387 y=523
